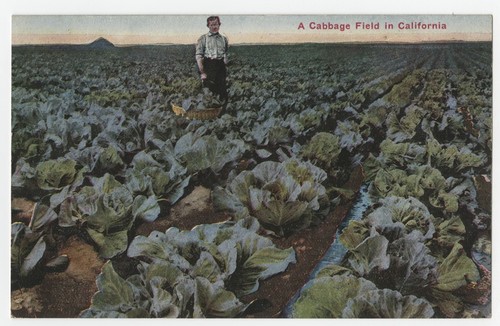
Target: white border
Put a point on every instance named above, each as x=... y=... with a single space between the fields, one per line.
x=26 y=7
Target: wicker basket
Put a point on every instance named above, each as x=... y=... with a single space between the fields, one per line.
x=205 y=114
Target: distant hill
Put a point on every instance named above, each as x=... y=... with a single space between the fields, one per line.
x=101 y=43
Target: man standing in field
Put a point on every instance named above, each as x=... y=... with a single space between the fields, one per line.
x=211 y=57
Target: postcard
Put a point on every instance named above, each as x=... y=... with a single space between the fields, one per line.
x=251 y=166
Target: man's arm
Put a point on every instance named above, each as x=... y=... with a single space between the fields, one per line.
x=199 y=61
x=200 y=51
x=226 y=47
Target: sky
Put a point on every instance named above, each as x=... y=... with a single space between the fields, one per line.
x=269 y=28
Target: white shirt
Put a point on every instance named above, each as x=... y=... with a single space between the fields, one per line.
x=212 y=46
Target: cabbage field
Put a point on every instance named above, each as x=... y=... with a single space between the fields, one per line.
x=120 y=208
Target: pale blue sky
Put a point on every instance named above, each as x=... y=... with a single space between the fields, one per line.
x=131 y=29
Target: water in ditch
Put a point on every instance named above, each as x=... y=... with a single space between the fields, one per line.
x=337 y=251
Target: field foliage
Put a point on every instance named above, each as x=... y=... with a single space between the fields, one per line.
x=96 y=146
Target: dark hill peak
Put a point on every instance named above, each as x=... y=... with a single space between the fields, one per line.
x=101 y=43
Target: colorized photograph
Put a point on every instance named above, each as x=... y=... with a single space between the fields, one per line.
x=251 y=166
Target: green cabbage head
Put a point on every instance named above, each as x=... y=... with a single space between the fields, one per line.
x=283 y=196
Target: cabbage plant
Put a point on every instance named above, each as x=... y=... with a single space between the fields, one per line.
x=161 y=177
x=387 y=304
x=421 y=182
x=406 y=127
x=30 y=249
x=283 y=196
x=326 y=297
x=106 y=210
x=55 y=174
x=402 y=247
x=198 y=152
x=346 y=296
x=197 y=273
x=27 y=251
x=323 y=150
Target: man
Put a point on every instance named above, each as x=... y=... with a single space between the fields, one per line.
x=211 y=57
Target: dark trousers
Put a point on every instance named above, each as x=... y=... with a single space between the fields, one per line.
x=216 y=77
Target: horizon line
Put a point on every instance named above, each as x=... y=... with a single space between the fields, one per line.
x=266 y=43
